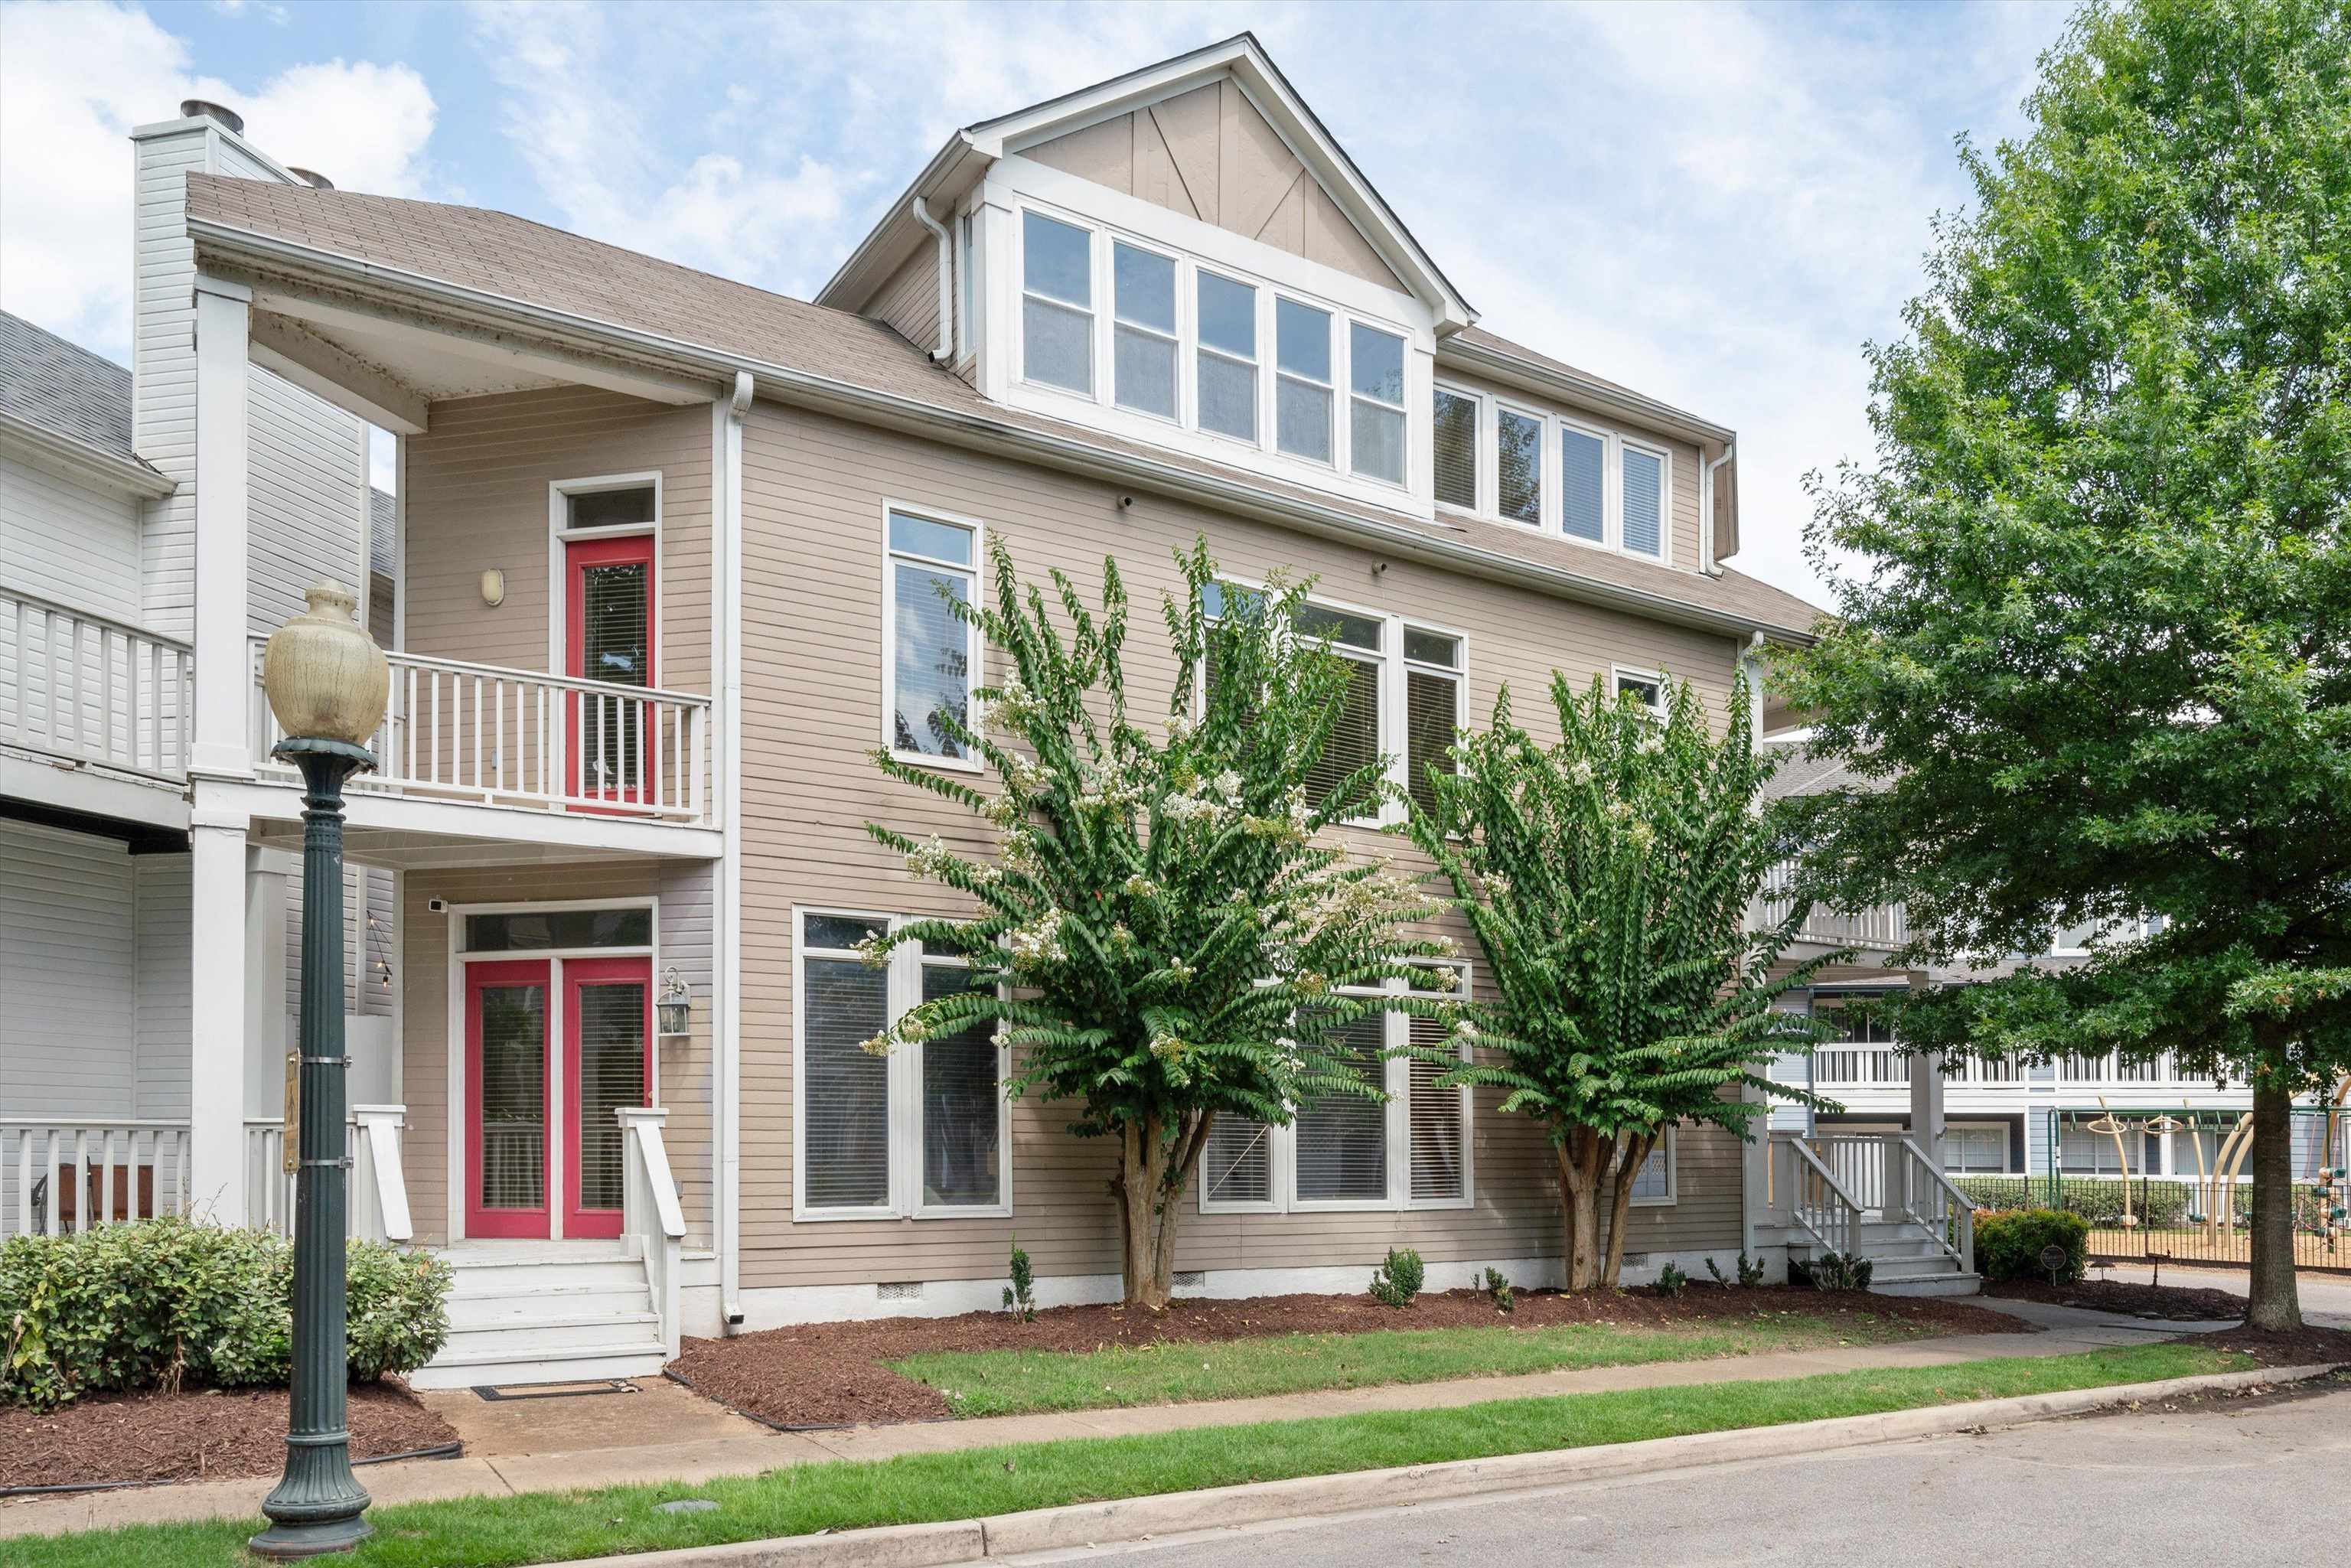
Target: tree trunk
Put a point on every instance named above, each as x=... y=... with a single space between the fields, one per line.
x=1628 y=1152
x=2275 y=1303
x=1579 y=1202
x=1146 y=1220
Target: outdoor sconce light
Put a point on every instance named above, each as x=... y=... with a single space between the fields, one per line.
x=674 y=1006
x=493 y=587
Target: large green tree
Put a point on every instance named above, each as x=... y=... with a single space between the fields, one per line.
x=1608 y=878
x=1164 y=924
x=2093 y=597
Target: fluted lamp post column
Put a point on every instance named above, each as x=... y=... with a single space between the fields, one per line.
x=327 y=682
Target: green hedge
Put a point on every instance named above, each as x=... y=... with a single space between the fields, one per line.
x=2163 y=1205
x=2009 y=1241
x=163 y=1302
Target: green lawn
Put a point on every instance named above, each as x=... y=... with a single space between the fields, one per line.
x=1008 y=1382
x=491 y=1533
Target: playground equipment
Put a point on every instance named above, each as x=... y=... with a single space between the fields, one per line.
x=2225 y=1167
x=2114 y=1127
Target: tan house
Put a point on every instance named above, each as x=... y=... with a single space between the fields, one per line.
x=659 y=579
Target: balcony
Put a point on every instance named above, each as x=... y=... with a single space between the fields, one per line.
x=93 y=692
x=1881 y=928
x=482 y=735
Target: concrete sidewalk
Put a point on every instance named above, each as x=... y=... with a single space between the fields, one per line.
x=598 y=1440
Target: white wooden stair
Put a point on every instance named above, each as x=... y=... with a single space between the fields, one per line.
x=545 y=1312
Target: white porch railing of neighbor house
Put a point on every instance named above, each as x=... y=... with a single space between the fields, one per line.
x=484 y=734
x=1890 y=1067
x=70 y=1175
x=1879 y=929
x=652 y=1222
x=377 y=1203
x=98 y=691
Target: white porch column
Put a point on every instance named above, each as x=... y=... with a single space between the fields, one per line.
x=1927 y=1108
x=223 y=681
x=216 y=996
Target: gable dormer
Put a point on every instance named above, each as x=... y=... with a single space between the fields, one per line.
x=1182 y=257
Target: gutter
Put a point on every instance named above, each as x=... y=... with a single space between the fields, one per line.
x=925 y=183
x=945 y=354
x=1706 y=508
x=104 y=467
x=1584 y=389
x=986 y=433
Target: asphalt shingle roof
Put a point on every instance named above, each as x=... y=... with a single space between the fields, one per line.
x=498 y=254
x=64 y=389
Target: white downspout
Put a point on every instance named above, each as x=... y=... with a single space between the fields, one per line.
x=945 y=354
x=727 y=961
x=1706 y=507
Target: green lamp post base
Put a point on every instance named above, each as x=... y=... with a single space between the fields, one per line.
x=316 y=1506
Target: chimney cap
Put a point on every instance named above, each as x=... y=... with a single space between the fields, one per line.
x=205 y=108
x=310 y=177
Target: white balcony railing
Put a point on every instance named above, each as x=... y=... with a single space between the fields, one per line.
x=72 y=1174
x=1860 y=1067
x=377 y=1200
x=482 y=733
x=94 y=690
x=1880 y=928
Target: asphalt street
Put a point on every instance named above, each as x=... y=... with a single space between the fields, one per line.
x=2217 y=1483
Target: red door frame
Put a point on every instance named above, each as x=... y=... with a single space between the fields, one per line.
x=503 y=1222
x=578 y=555
x=579 y=974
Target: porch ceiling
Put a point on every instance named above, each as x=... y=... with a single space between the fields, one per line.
x=395 y=849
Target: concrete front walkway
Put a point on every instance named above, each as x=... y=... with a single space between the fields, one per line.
x=598 y=1440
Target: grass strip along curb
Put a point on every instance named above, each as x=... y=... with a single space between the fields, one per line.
x=978 y=1483
x=1176 y=1372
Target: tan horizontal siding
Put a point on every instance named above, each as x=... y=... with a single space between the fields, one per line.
x=909 y=299
x=814 y=489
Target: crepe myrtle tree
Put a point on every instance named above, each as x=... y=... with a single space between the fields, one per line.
x=2093 y=649
x=1164 y=923
x=1608 y=879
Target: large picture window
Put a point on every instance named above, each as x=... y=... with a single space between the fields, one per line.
x=919 y=1133
x=930 y=658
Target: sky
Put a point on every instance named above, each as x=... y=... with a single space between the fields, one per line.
x=1717 y=204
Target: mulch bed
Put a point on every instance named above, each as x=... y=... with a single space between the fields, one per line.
x=2301 y=1347
x=2174 y=1303
x=819 y=1374
x=197 y=1435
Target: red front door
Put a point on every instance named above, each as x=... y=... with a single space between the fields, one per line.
x=534 y=1111
x=609 y=594
x=608 y=1028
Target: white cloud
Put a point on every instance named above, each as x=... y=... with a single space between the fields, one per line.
x=74 y=80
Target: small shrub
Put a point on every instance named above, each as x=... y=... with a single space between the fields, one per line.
x=1396 y=1282
x=1505 y=1299
x=1833 y=1271
x=1750 y=1273
x=166 y=1302
x=2009 y=1243
x=1670 y=1282
x=1020 y=1296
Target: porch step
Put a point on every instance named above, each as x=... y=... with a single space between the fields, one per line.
x=1946 y=1284
x=546 y=1312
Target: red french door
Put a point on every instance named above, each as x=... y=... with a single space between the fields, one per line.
x=609 y=596
x=506 y=1009
x=608 y=1028
x=534 y=1111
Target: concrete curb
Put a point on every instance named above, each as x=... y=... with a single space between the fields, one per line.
x=1176 y=1513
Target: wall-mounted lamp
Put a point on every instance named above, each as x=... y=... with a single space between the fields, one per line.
x=494 y=588
x=674 y=1008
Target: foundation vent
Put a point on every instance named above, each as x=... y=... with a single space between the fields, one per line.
x=1636 y=1259
x=900 y=1291
x=1192 y=1280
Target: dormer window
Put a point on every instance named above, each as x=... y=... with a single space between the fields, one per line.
x=1302 y=397
x=1552 y=472
x=1375 y=373
x=1228 y=357
x=1144 y=353
x=1517 y=467
x=1057 y=325
x=1582 y=484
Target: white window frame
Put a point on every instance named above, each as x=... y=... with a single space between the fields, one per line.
x=1619 y=673
x=1401 y=407
x=559 y=533
x=1396 y=1083
x=973 y=644
x=1174 y=340
x=1611 y=514
x=1481 y=443
x=1669 y=1145
x=904 y=1064
x=2007 y=1144
x=1546 y=482
x=1621 y=445
x=1343 y=318
x=1405 y=668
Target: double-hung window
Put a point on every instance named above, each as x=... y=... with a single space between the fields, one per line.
x=1376 y=381
x=918 y=1133
x=1433 y=686
x=1582 y=484
x=1057 y=318
x=1518 y=465
x=1302 y=394
x=1142 y=285
x=1228 y=357
x=1408 y=1148
x=1976 y=1151
x=1455 y=445
x=1358 y=739
x=1653 y=1185
x=1644 y=501
x=930 y=657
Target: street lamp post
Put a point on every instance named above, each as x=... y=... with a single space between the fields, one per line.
x=327 y=682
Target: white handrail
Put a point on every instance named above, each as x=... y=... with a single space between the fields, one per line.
x=92 y=688
x=652 y=1221
x=384 y=1214
x=1819 y=1202
x=1934 y=1201
x=1881 y=927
